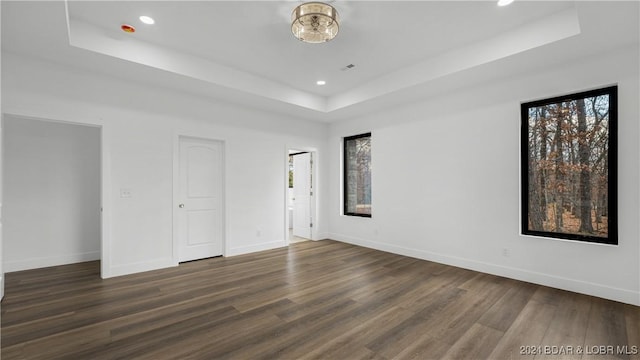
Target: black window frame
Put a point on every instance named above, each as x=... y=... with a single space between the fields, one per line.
x=345 y=140
x=612 y=185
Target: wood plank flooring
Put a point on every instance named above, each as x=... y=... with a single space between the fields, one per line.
x=313 y=300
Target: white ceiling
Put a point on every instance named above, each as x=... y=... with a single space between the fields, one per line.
x=255 y=37
x=243 y=51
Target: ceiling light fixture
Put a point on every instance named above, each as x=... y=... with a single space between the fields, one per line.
x=321 y=82
x=147 y=20
x=504 y=2
x=128 y=28
x=314 y=22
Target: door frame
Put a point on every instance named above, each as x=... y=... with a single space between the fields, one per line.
x=313 y=203
x=176 y=194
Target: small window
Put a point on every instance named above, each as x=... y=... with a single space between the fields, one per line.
x=357 y=175
x=290 y=171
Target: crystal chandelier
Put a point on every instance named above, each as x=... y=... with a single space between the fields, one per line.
x=314 y=22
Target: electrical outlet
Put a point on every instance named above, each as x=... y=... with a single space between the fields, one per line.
x=505 y=252
x=258 y=233
x=125 y=193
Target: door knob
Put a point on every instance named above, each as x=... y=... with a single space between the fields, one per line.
x=181 y=206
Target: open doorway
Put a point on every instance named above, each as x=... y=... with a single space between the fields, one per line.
x=52 y=193
x=300 y=196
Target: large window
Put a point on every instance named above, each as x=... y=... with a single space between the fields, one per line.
x=569 y=167
x=357 y=175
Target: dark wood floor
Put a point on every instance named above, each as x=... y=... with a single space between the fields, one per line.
x=312 y=300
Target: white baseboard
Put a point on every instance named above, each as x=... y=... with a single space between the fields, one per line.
x=127 y=269
x=256 y=247
x=35 y=263
x=579 y=286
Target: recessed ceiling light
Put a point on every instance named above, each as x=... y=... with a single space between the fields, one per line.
x=128 y=28
x=147 y=20
x=321 y=82
x=504 y=2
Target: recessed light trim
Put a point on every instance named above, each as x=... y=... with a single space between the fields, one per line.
x=321 y=82
x=504 y=2
x=128 y=28
x=147 y=20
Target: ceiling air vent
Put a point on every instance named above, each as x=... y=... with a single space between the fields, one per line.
x=350 y=66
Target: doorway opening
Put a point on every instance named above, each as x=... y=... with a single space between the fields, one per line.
x=300 y=190
x=53 y=193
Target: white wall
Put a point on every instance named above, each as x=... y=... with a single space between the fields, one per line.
x=445 y=182
x=1 y=203
x=445 y=171
x=140 y=129
x=1 y=172
x=52 y=186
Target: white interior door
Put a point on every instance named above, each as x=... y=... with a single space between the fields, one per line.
x=302 y=195
x=200 y=209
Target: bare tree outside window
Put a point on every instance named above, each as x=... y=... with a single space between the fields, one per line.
x=357 y=175
x=569 y=172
